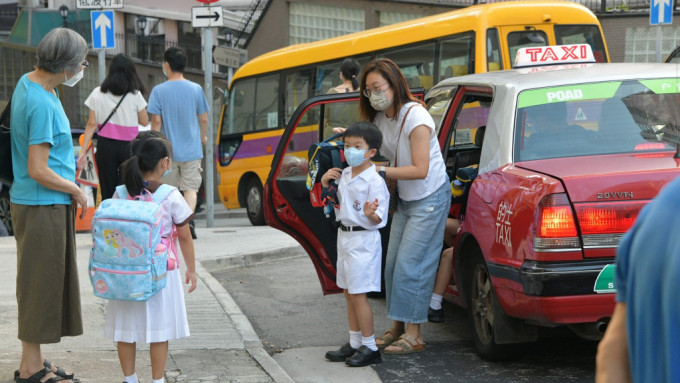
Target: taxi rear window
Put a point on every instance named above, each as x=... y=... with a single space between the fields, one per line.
x=597 y=118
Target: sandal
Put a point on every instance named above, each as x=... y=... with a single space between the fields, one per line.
x=60 y=371
x=36 y=378
x=387 y=339
x=407 y=345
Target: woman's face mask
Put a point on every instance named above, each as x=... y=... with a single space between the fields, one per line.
x=73 y=80
x=379 y=101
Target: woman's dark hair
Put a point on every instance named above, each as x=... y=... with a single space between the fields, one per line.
x=122 y=77
x=151 y=151
x=176 y=58
x=350 y=71
x=366 y=130
x=392 y=74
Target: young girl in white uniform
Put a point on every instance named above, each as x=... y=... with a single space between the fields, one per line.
x=163 y=317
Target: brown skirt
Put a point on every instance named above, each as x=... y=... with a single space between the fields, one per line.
x=48 y=292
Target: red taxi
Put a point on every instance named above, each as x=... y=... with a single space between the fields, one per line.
x=567 y=157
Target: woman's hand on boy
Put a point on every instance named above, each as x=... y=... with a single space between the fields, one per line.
x=331 y=174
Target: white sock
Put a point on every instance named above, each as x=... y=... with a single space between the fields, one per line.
x=369 y=341
x=436 y=302
x=131 y=379
x=355 y=339
x=161 y=380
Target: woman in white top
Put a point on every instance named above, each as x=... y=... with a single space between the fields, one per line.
x=121 y=85
x=417 y=232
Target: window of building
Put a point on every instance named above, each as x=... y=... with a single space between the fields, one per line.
x=388 y=18
x=641 y=43
x=312 y=22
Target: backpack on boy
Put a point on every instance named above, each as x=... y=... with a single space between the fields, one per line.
x=323 y=156
x=129 y=259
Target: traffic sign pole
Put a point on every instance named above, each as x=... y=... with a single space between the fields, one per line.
x=209 y=156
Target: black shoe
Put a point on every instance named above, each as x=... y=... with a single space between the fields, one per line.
x=192 y=229
x=364 y=357
x=341 y=354
x=436 y=316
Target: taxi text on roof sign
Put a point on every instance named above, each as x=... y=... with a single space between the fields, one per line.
x=555 y=54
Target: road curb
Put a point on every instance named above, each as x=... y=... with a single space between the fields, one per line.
x=251 y=341
x=250 y=259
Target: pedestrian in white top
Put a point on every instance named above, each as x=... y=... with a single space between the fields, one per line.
x=361 y=206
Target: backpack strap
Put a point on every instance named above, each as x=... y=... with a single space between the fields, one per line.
x=170 y=242
x=122 y=192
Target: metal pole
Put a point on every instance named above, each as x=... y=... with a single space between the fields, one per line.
x=101 y=58
x=658 y=42
x=209 y=156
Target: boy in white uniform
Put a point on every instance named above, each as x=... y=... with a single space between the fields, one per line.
x=361 y=208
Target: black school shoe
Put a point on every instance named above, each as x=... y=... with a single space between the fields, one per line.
x=341 y=354
x=364 y=357
x=436 y=316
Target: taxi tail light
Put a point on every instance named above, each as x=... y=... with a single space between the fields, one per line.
x=604 y=223
x=555 y=224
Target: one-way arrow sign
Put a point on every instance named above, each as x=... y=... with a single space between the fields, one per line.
x=661 y=12
x=206 y=17
x=102 y=29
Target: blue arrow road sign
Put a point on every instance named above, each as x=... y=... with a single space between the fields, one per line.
x=661 y=12
x=102 y=29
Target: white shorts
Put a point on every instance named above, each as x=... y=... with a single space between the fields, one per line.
x=359 y=261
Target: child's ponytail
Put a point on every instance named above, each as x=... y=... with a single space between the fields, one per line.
x=147 y=152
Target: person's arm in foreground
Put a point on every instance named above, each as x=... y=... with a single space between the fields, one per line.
x=612 y=361
x=42 y=174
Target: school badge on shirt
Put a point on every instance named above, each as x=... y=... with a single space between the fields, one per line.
x=356 y=205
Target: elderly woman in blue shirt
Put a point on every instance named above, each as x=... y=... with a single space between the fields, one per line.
x=44 y=196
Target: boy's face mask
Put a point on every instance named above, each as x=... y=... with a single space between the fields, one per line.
x=354 y=156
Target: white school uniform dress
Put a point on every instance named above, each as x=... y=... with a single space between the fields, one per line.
x=164 y=316
x=360 y=252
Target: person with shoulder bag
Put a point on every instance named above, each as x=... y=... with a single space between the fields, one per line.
x=424 y=195
x=117 y=108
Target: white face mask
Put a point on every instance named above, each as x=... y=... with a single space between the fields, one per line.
x=379 y=102
x=73 y=80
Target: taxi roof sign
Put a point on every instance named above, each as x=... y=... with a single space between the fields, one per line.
x=554 y=54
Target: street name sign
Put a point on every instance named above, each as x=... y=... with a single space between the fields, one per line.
x=225 y=56
x=661 y=12
x=102 y=30
x=202 y=17
x=99 y=4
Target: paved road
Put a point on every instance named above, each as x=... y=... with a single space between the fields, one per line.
x=284 y=303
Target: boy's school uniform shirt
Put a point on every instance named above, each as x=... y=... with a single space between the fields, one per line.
x=354 y=192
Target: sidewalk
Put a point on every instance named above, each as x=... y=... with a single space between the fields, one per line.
x=223 y=347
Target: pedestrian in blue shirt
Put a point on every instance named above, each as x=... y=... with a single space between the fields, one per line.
x=642 y=341
x=180 y=111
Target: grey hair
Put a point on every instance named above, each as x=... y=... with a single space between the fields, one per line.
x=61 y=49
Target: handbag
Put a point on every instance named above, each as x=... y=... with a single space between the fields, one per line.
x=391 y=182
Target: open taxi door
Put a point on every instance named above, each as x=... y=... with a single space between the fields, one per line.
x=287 y=204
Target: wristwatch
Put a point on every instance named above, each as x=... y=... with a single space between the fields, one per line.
x=381 y=171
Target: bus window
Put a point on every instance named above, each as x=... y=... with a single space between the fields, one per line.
x=242 y=112
x=525 y=39
x=456 y=57
x=493 y=51
x=266 y=102
x=297 y=90
x=415 y=62
x=582 y=34
x=328 y=75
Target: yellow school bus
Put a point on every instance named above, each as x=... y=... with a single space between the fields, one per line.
x=266 y=91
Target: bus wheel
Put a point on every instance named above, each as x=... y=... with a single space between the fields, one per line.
x=254 y=201
x=483 y=307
